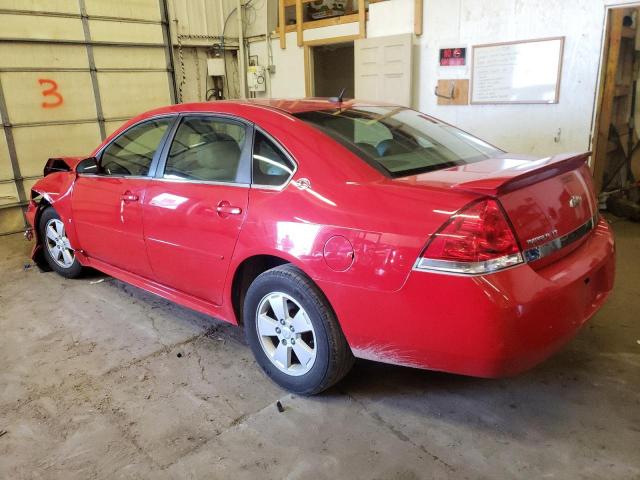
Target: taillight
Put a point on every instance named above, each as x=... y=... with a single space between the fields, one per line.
x=476 y=240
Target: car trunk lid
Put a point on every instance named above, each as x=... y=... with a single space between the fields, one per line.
x=549 y=201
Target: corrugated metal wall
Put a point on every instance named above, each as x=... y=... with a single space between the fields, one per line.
x=71 y=71
x=205 y=18
x=197 y=25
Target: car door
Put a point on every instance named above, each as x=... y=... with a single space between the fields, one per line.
x=107 y=206
x=194 y=208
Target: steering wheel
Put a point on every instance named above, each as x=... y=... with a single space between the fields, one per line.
x=368 y=148
x=120 y=169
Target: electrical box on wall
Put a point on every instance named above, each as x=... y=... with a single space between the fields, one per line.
x=215 y=67
x=256 y=78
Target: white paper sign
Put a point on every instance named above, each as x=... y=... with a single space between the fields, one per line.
x=517 y=72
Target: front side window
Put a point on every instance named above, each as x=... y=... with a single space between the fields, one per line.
x=206 y=149
x=131 y=153
x=271 y=166
x=399 y=141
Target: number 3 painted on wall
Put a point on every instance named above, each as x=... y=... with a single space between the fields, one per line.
x=51 y=92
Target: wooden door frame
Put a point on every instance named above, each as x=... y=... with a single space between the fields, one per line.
x=308 y=58
x=602 y=109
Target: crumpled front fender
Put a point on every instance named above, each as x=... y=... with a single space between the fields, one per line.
x=53 y=190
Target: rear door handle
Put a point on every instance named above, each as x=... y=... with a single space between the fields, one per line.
x=128 y=197
x=224 y=208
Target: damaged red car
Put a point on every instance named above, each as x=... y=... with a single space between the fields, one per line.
x=336 y=229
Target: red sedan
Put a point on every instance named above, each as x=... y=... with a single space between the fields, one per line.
x=332 y=230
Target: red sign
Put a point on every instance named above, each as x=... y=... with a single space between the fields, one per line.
x=453 y=57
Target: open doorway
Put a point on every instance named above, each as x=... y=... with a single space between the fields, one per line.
x=616 y=138
x=332 y=69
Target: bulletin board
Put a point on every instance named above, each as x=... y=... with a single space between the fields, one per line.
x=527 y=71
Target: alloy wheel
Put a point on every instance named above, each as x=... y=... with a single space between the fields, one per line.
x=58 y=244
x=286 y=333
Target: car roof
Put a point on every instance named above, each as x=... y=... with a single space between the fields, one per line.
x=289 y=106
x=254 y=109
x=310 y=104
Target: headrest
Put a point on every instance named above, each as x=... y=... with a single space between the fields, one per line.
x=219 y=154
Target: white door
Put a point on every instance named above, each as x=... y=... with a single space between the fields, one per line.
x=383 y=69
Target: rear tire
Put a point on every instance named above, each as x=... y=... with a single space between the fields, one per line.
x=293 y=332
x=55 y=245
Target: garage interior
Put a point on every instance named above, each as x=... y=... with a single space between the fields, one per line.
x=333 y=71
x=101 y=379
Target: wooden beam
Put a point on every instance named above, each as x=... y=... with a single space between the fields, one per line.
x=417 y=17
x=608 y=88
x=281 y=24
x=331 y=40
x=299 y=21
x=325 y=22
x=308 y=67
x=291 y=3
x=622 y=90
x=362 y=19
x=629 y=32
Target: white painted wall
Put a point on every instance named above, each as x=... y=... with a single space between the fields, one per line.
x=521 y=128
x=288 y=81
x=390 y=18
x=518 y=128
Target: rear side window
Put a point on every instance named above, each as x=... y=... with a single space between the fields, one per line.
x=399 y=141
x=271 y=167
x=132 y=152
x=206 y=149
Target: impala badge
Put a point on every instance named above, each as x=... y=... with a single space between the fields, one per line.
x=575 y=200
x=543 y=238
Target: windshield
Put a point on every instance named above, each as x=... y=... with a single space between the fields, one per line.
x=399 y=141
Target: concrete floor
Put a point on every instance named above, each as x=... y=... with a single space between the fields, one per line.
x=101 y=380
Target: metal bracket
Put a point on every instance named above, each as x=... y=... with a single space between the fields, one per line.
x=448 y=97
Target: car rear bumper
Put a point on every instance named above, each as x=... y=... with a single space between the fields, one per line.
x=487 y=326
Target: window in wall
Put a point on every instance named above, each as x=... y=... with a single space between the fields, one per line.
x=270 y=165
x=132 y=152
x=207 y=149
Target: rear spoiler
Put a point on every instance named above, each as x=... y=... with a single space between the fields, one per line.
x=513 y=179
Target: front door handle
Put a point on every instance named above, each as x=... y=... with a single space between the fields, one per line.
x=224 y=208
x=128 y=197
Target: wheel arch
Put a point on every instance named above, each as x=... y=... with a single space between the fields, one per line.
x=42 y=204
x=54 y=190
x=245 y=273
x=249 y=269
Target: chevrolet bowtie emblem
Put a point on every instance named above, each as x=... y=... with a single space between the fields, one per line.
x=575 y=200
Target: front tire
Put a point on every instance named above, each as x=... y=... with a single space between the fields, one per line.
x=55 y=245
x=293 y=332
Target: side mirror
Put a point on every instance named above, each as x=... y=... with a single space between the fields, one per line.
x=88 y=165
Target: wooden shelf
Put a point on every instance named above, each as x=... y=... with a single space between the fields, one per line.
x=360 y=16
x=325 y=22
x=622 y=90
x=292 y=3
x=628 y=32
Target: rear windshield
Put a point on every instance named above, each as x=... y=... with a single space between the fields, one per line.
x=399 y=141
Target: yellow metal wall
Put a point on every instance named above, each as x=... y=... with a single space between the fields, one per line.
x=104 y=62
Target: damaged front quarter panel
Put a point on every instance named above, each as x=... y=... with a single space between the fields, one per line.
x=53 y=190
